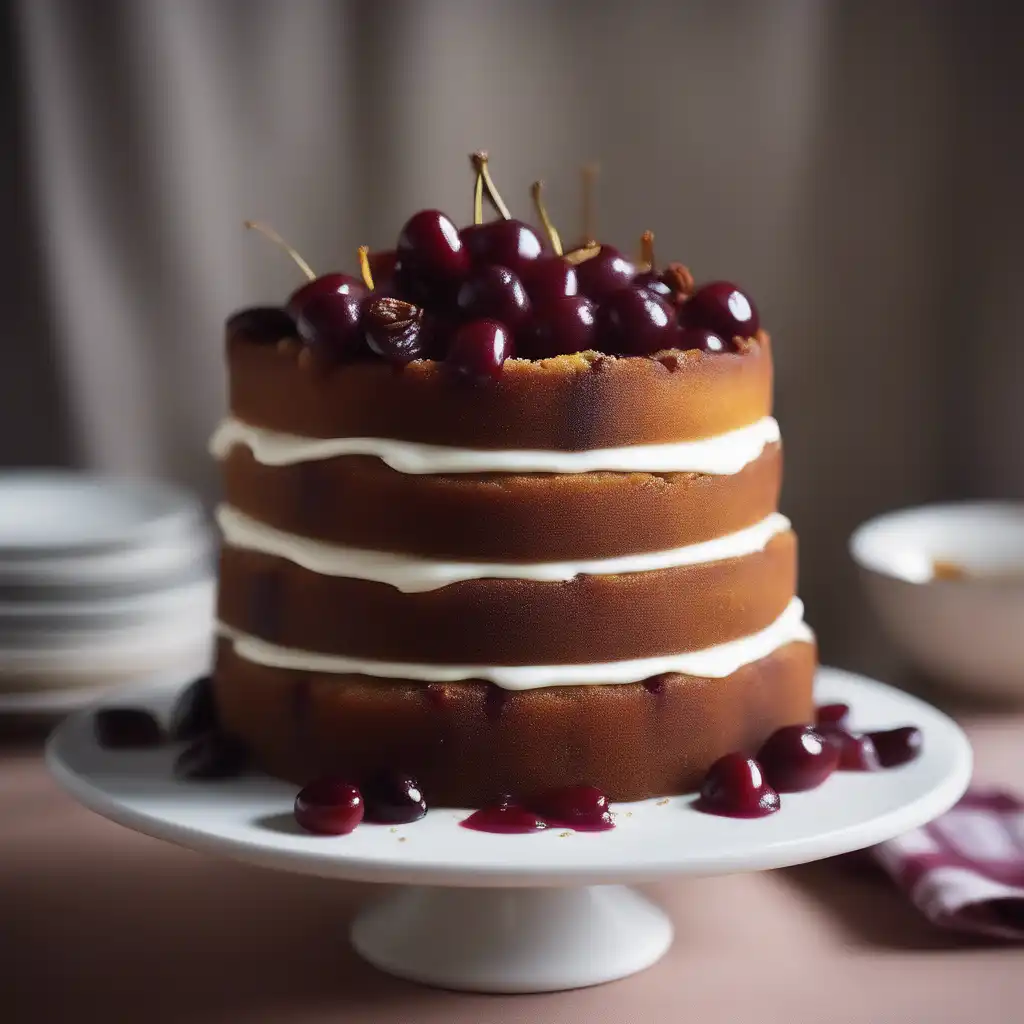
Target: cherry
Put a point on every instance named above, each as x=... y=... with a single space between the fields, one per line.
x=735 y=787
x=549 y=279
x=329 y=323
x=394 y=330
x=651 y=280
x=796 y=758
x=897 y=746
x=431 y=255
x=509 y=243
x=856 y=753
x=704 y=340
x=494 y=291
x=568 y=325
x=263 y=325
x=722 y=308
x=831 y=716
x=382 y=264
x=213 y=756
x=480 y=348
x=583 y=808
x=393 y=798
x=326 y=284
x=126 y=729
x=607 y=272
x=329 y=807
x=504 y=818
x=195 y=712
x=633 y=321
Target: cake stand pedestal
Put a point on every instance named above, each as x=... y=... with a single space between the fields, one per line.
x=524 y=913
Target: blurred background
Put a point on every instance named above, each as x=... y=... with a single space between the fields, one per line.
x=855 y=166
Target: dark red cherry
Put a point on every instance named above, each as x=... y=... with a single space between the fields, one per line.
x=262 y=325
x=897 y=746
x=722 y=308
x=126 y=729
x=329 y=324
x=431 y=254
x=583 y=808
x=505 y=819
x=797 y=757
x=382 y=264
x=496 y=292
x=393 y=798
x=213 y=756
x=699 y=338
x=607 y=272
x=509 y=243
x=563 y=326
x=329 y=807
x=479 y=349
x=549 y=279
x=326 y=284
x=735 y=787
x=831 y=716
x=394 y=330
x=856 y=753
x=652 y=281
x=195 y=712
x=634 y=321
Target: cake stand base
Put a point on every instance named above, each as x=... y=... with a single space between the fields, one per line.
x=513 y=940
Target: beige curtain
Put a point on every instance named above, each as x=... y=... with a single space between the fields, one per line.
x=855 y=164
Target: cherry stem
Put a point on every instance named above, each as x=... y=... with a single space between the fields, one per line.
x=268 y=232
x=552 y=232
x=364 y=266
x=493 y=196
x=478 y=199
x=588 y=175
x=647 y=249
x=582 y=254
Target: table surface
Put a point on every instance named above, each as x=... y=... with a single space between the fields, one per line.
x=100 y=923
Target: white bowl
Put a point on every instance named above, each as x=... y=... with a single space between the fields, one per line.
x=967 y=632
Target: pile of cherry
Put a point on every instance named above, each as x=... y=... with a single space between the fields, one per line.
x=475 y=297
x=793 y=759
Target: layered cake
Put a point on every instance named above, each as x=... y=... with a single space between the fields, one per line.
x=505 y=519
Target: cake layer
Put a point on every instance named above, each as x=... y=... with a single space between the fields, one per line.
x=570 y=403
x=361 y=502
x=468 y=743
x=509 y=621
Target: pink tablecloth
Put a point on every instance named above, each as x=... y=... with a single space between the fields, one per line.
x=100 y=924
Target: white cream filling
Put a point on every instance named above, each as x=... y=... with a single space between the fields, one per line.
x=722 y=455
x=713 y=662
x=412 y=573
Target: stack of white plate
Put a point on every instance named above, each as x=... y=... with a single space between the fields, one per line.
x=102 y=582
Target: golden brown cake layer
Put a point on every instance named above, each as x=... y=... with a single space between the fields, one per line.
x=569 y=403
x=361 y=502
x=509 y=621
x=468 y=743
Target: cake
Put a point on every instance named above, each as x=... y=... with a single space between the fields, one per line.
x=506 y=522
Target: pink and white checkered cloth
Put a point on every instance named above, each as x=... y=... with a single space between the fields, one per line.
x=966 y=869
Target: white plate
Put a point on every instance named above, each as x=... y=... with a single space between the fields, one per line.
x=532 y=938
x=49 y=512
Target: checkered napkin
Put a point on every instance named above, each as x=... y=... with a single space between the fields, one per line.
x=966 y=869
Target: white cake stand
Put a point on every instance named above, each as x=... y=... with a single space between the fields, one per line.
x=525 y=913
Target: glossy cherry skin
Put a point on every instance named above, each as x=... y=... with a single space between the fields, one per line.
x=735 y=787
x=549 y=280
x=566 y=325
x=394 y=330
x=583 y=808
x=504 y=819
x=856 y=753
x=705 y=341
x=722 y=308
x=195 y=712
x=329 y=807
x=897 y=746
x=329 y=324
x=509 y=243
x=479 y=349
x=126 y=729
x=431 y=256
x=651 y=280
x=634 y=321
x=497 y=293
x=326 y=284
x=261 y=325
x=796 y=758
x=393 y=798
x=609 y=271
x=831 y=716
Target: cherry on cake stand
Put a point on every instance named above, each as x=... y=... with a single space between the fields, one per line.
x=525 y=913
